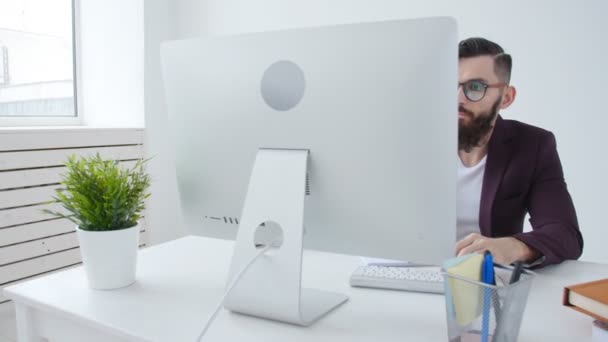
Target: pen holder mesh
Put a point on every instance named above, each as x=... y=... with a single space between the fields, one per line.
x=482 y=312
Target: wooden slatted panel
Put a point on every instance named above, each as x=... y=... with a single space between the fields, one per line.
x=27 y=196
x=34 y=177
x=39 y=230
x=34 y=231
x=31 y=163
x=36 y=266
x=24 y=215
x=36 y=248
x=33 y=195
x=47 y=138
x=40 y=247
x=45 y=158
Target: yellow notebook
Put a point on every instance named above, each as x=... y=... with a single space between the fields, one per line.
x=466 y=297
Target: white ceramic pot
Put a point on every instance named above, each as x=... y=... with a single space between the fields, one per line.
x=109 y=257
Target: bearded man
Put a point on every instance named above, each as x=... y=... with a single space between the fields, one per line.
x=507 y=169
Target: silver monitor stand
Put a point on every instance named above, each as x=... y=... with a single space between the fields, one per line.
x=272 y=286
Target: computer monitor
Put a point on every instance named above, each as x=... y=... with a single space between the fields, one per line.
x=357 y=120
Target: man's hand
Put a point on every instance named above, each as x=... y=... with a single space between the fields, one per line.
x=504 y=250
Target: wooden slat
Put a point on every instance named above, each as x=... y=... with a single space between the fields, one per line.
x=29 y=196
x=11 y=217
x=15 y=139
x=45 y=245
x=37 y=248
x=4 y=299
x=31 y=159
x=34 y=266
x=22 y=178
x=34 y=231
x=40 y=230
x=33 y=177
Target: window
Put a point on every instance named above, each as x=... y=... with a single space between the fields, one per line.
x=37 y=62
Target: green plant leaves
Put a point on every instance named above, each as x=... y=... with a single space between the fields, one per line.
x=101 y=195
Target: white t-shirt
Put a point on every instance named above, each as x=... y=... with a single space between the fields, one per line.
x=470 y=181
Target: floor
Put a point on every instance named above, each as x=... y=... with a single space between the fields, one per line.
x=8 y=327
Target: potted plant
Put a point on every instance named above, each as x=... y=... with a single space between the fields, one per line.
x=105 y=201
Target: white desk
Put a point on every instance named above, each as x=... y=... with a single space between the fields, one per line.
x=179 y=283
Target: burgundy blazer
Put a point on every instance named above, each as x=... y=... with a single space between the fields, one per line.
x=524 y=174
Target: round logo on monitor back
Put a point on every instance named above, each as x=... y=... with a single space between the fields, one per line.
x=283 y=85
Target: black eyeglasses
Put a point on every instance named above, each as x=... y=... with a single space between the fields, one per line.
x=475 y=90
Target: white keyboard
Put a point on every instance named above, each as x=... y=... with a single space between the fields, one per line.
x=418 y=279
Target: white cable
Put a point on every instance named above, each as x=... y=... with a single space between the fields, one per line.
x=234 y=282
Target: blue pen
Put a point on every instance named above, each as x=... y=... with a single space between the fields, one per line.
x=487 y=276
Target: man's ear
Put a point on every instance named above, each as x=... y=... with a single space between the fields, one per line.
x=508 y=97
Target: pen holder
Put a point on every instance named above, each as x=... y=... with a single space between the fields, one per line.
x=482 y=312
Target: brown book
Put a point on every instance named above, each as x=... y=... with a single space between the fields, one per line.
x=589 y=298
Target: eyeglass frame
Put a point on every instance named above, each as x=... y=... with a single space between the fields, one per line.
x=484 y=85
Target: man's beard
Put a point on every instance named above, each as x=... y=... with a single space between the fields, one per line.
x=471 y=134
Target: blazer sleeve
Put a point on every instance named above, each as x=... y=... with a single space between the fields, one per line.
x=555 y=233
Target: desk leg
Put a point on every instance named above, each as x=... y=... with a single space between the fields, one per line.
x=26 y=331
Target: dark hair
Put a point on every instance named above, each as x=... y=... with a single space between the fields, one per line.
x=474 y=47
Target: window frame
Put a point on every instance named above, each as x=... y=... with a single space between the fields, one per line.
x=76 y=120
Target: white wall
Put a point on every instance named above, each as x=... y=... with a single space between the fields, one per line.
x=163 y=206
x=558 y=49
x=111 y=48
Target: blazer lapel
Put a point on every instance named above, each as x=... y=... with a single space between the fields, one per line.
x=499 y=154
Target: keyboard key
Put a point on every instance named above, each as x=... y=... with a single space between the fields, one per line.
x=418 y=279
